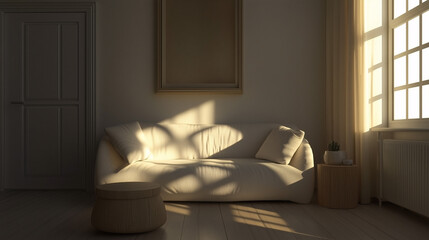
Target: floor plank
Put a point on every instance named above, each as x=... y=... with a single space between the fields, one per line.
x=172 y=229
x=7 y=194
x=67 y=214
x=53 y=228
x=365 y=227
x=394 y=221
x=203 y=222
x=334 y=222
x=247 y=217
x=235 y=226
x=301 y=224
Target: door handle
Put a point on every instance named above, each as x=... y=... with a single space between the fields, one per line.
x=17 y=102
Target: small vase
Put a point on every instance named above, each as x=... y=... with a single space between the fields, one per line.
x=334 y=157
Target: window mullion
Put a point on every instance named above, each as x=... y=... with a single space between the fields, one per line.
x=406 y=86
x=421 y=63
x=406 y=65
x=393 y=23
x=406 y=52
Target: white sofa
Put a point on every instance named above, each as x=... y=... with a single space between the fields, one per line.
x=207 y=162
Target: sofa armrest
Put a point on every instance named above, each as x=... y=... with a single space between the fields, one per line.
x=108 y=162
x=303 y=157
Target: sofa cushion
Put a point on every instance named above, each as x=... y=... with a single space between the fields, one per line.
x=229 y=179
x=129 y=141
x=280 y=145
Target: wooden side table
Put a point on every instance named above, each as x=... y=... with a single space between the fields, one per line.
x=128 y=207
x=338 y=186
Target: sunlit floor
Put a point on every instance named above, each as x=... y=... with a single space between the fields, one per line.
x=66 y=215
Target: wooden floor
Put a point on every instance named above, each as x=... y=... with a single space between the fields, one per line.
x=66 y=215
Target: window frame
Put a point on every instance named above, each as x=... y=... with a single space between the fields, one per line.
x=392 y=24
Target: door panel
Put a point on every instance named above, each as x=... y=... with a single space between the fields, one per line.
x=69 y=66
x=41 y=149
x=45 y=100
x=41 y=61
x=70 y=141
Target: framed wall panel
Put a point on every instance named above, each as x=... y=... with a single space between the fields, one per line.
x=199 y=46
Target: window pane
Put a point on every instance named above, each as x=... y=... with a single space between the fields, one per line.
x=412 y=4
x=425 y=25
x=399 y=39
x=399 y=74
x=414 y=67
x=399 y=7
x=399 y=104
x=377 y=82
x=414 y=103
x=425 y=64
x=372 y=15
x=425 y=101
x=377 y=110
x=414 y=32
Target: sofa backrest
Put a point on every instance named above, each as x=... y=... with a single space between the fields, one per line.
x=198 y=141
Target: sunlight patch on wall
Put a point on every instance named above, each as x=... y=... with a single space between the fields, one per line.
x=202 y=113
x=190 y=141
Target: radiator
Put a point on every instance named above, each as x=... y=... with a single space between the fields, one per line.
x=406 y=174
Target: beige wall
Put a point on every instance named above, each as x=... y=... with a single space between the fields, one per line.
x=284 y=62
x=283 y=69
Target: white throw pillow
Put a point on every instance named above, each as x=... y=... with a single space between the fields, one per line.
x=129 y=140
x=280 y=145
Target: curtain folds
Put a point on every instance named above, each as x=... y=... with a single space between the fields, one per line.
x=344 y=79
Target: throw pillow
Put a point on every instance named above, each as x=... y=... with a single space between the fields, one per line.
x=280 y=145
x=129 y=141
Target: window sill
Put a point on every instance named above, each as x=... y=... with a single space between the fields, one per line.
x=386 y=129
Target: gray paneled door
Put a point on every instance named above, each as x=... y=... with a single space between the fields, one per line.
x=44 y=99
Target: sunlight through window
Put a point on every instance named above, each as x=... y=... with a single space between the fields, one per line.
x=425 y=63
x=399 y=7
x=412 y=4
x=425 y=25
x=400 y=110
x=414 y=103
x=425 y=93
x=400 y=71
x=377 y=82
x=373 y=18
x=414 y=67
x=375 y=67
x=414 y=32
x=376 y=110
x=400 y=39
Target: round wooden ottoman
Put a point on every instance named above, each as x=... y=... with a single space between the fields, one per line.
x=128 y=207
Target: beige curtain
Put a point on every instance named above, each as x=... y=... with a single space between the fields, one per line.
x=344 y=78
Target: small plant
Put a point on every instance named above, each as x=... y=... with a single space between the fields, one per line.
x=333 y=146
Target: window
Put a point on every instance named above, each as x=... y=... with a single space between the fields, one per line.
x=409 y=63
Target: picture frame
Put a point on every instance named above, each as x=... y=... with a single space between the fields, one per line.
x=199 y=46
